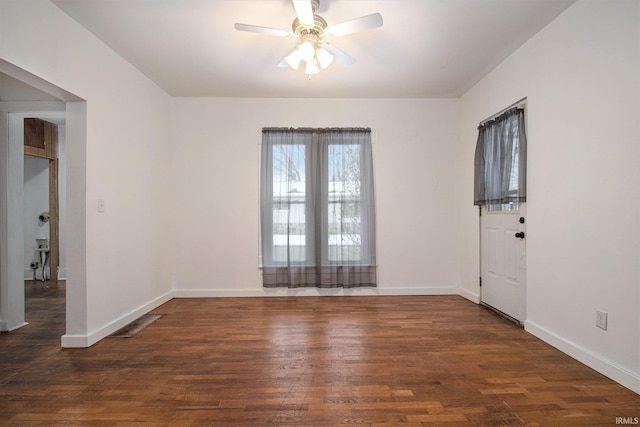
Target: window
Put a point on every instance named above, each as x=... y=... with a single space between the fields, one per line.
x=500 y=162
x=317 y=210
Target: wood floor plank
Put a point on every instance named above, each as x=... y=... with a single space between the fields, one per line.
x=370 y=361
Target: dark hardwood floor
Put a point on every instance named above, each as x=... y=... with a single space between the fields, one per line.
x=313 y=361
x=20 y=350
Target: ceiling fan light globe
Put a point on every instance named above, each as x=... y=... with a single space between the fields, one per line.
x=306 y=51
x=293 y=59
x=325 y=59
x=312 y=67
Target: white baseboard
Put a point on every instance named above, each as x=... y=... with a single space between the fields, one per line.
x=441 y=290
x=471 y=296
x=74 y=341
x=281 y=292
x=82 y=341
x=4 y=326
x=606 y=367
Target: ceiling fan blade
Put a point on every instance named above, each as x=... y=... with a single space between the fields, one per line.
x=262 y=30
x=304 y=12
x=340 y=57
x=364 y=23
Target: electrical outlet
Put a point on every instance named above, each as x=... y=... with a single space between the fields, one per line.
x=34 y=264
x=101 y=206
x=601 y=319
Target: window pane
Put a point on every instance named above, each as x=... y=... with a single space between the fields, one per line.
x=344 y=169
x=344 y=237
x=506 y=207
x=513 y=179
x=289 y=170
x=510 y=136
x=289 y=196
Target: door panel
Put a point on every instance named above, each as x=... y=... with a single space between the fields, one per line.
x=491 y=252
x=503 y=262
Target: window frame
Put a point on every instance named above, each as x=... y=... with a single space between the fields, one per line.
x=267 y=252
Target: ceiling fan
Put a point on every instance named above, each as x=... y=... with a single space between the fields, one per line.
x=313 y=32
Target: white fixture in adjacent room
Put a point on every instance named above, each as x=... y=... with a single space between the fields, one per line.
x=42 y=247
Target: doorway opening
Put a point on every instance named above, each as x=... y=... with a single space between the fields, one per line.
x=44 y=197
x=44 y=200
x=24 y=95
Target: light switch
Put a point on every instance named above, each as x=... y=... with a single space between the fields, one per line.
x=101 y=206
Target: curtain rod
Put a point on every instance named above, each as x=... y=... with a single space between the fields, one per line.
x=518 y=104
x=315 y=130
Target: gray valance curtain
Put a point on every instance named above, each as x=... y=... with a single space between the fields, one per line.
x=501 y=160
x=317 y=208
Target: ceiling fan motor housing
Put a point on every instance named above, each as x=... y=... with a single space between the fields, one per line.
x=319 y=24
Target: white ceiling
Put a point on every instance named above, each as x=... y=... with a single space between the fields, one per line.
x=426 y=48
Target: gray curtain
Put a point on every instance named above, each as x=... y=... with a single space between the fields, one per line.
x=501 y=160
x=317 y=208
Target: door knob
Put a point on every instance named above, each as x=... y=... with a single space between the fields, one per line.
x=520 y=235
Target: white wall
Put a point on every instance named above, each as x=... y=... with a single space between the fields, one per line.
x=580 y=75
x=119 y=261
x=216 y=165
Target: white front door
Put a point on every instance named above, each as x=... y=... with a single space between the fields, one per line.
x=503 y=261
